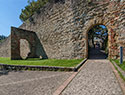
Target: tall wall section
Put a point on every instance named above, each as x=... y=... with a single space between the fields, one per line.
x=105 y=12
x=62 y=27
x=53 y=26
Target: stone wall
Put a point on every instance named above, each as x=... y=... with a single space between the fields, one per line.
x=34 y=44
x=53 y=27
x=124 y=54
x=105 y=12
x=5 y=48
x=62 y=27
x=16 y=36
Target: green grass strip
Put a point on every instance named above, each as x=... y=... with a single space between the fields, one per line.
x=41 y=62
x=122 y=66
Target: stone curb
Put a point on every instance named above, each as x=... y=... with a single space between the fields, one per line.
x=79 y=65
x=120 y=80
x=66 y=83
x=42 y=68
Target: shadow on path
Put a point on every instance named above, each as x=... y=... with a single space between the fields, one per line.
x=97 y=53
x=3 y=71
x=6 y=72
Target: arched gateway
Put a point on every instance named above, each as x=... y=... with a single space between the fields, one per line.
x=62 y=28
x=97 y=42
x=90 y=25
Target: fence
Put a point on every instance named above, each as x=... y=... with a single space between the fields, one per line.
x=122 y=52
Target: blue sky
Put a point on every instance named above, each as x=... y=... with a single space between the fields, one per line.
x=103 y=26
x=9 y=14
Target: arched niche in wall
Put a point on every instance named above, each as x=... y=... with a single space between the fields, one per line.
x=24 y=48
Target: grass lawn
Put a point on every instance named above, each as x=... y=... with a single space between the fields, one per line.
x=122 y=66
x=41 y=62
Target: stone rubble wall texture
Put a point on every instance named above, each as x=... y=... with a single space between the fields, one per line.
x=34 y=44
x=15 y=42
x=124 y=54
x=5 y=48
x=62 y=27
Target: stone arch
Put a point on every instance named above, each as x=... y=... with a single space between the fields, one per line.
x=25 y=48
x=89 y=25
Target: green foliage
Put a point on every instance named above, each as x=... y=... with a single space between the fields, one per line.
x=2 y=38
x=32 y=7
x=122 y=66
x=106 y=46
x=89 y=0
x=39 y=62
x=99 y=32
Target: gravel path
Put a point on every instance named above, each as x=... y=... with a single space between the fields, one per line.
x=95 y=78
x=31 y=82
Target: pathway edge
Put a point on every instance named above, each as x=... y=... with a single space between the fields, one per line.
x=66 y=83
x=120 y=80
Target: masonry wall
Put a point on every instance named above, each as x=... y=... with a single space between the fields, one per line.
x=62 y=27
x=34 y=44
x=54 y=29
x=106 y=12
x=5 y=48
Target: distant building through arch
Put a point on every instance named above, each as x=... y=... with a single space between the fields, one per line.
x=98 y=42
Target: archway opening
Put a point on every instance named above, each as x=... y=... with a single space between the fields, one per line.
x=98 y=42
x=24 y=48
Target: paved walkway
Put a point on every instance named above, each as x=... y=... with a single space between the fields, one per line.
x=31 y=82
x=95 y=78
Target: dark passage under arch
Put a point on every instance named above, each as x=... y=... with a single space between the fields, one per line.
x=98 y=42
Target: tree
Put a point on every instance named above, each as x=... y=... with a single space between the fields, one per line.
x=2 y=37
x=99 y=31
x=31 y=8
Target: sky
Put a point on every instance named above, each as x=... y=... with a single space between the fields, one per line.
x=103 y=26
x=10 y=11
x=9 y=15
